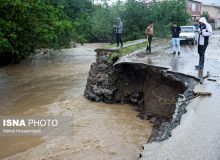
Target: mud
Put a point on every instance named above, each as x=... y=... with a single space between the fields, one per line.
x=153 y=91
x=54 y=85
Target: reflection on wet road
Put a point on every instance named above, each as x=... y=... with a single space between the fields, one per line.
x=184 y=63
x=197 y=136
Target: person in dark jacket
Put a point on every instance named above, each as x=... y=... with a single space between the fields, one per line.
x=205 y=31
x=118 y=32
x=175 y=29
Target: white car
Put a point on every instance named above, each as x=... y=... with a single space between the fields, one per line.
x=189 y=34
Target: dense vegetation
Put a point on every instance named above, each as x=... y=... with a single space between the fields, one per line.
x=207 y=16
x=29 y=25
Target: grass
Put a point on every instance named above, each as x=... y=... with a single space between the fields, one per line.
x=128 y=49
x=109 y=46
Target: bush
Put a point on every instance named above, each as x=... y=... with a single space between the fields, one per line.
x=30 y=25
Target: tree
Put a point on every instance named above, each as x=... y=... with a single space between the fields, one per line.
x=207 y=16
x=136 y=17
x=27 y=25
x=165 y=12
x=79 y=12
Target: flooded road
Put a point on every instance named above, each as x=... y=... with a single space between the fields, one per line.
x=45 y=85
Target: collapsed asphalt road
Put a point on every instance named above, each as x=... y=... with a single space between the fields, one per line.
x=198 y=135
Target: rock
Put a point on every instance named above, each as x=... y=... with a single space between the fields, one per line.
x=147 y=117
x=92 y=73
x=91 y=81
x=109 y=61
x=91 y=96
x=141 y=115
x=98 y=91
x=110 y=72
x=102 y=67
x=135 y=95
x=98 y=76
x=122 y=100
x=153 y=120
x=132 y=100
x=101 y=59
x=97 y=99
x=107 y=91
x=109 y=98
x=135 y=98
x=150 y=115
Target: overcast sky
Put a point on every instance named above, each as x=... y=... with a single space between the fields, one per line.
x=217 y=2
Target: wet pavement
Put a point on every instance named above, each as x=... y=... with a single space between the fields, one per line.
x=161 y=56
x=198 y=135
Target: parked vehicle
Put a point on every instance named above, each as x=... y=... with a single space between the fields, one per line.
x=189 y=34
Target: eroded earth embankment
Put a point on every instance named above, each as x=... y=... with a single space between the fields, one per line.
x=153 y=91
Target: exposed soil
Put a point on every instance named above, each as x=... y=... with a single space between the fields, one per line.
x=153 y=91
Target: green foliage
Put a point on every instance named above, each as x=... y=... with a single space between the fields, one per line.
x=136 y=15
x=207 y=16
x=136 y=18
x=165 y=12
x=129 y=49
x=27 y=25
x=79 y=12
x=102 y=22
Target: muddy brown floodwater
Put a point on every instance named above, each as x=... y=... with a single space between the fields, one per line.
x=46 y=85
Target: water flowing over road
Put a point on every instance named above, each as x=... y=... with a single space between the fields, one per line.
x=54 y=85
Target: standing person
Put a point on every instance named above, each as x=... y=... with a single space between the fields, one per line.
x=149 y=33
x=175 y=29
x=203 y=40
x=118 y=31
